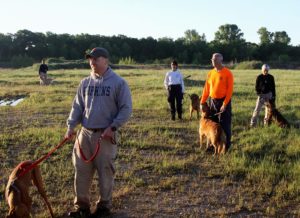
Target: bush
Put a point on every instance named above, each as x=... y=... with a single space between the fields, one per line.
x=284 y=58
x=166 y=61
x=5 y=64
x=67 y=64
x=21 y=61
x=56 y=60
x=245 y=65
x=74 y=64
x=127 y=61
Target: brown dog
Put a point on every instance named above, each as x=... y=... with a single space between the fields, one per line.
x=17 y=190
x=213 y=132
x=274 y=114
x=194 y=105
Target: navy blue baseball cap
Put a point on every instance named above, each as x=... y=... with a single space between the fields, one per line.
x=97 y=52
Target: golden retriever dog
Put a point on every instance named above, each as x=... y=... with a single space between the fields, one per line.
x=213 y=133
x=194 y=105
x=274 y=114
x=17 y=191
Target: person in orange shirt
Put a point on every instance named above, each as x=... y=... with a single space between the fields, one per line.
x=218 y=89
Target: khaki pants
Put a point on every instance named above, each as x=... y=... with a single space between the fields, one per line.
x=261 y=100
x=84 y=172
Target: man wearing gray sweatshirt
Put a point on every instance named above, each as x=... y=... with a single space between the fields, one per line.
x=102 y=105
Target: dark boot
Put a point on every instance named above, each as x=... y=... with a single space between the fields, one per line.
x=80 y=213
x=173 y=117
x=101 y=211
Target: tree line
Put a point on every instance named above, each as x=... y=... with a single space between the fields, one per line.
x=192 y=48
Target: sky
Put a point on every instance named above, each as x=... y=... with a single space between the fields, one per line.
x=155 y=18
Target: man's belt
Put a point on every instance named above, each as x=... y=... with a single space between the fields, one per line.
x=218 y=99
x=95 y=129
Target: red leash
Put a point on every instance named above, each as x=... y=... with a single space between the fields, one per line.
x=96 y=149
x=95 y=153
x=35 y=163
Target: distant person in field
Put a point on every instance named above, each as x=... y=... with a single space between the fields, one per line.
x=218 y=89
x=102 y=105
x=43 y=74
x=174 y=84
x=265 y=90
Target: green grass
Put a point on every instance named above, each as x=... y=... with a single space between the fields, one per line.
x=161 y=171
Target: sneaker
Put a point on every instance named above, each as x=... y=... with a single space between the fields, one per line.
x=80 y=213
x=101 y=211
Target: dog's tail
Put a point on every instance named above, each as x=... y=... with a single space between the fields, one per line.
x=282 y=122
x=222 y=140
x=38 y=182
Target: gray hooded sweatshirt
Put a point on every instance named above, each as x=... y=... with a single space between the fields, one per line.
x=101 y=102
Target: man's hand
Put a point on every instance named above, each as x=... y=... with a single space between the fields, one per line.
x=223 y=108
x=108 y=133
x=69 y=134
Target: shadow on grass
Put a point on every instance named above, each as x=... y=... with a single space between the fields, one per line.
x=55 y=82
x=8 y=83
x=145 y=147
x=258 y=155
x=177 y=169
x=12 y=97
x=112 y=215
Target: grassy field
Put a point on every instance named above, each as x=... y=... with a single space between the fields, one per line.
x=161 y=171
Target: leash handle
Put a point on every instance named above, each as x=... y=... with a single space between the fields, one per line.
x=82 y=153
x=113 y=141
x=93 y=156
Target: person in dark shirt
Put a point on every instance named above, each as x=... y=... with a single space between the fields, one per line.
x=43 y=74
x=265 y=90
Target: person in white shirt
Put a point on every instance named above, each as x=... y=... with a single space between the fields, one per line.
x=174 y=84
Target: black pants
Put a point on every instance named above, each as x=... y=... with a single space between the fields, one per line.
x=224 y=118
x=175 y=95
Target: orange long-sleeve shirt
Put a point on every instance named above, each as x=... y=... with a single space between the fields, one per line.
x=218 y=85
